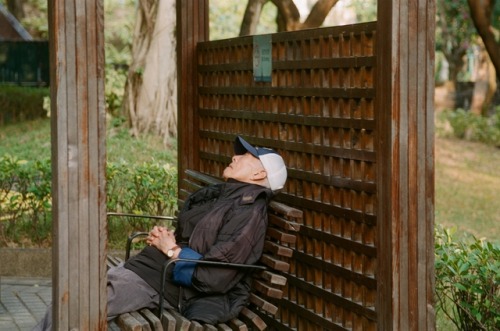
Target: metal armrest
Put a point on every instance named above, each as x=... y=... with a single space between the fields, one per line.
x=157 y=217
x=204 y=262
x=129 y=242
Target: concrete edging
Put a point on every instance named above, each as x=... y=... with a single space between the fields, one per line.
x=30 y=262
x=26 y=262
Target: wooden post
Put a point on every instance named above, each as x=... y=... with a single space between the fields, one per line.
x=78 y=164
x=405 y=164
x=192 y=27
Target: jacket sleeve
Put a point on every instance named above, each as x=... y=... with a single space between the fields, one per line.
x=240 y=240
x=183 y=271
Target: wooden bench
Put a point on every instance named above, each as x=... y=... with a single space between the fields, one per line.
x=267 y=289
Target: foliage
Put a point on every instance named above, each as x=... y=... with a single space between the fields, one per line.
x=148 y=189
x=21 y=103
x=36 y=21
x=25 y=198
x=495 y=21
x=467 y=281
x=366 y=11
x=30 y=140
x=119 y=20
x=115 y=80
x=454 y=32
x=226 y=17
x=466 y=125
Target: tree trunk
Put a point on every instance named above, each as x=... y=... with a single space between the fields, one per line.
x=251 y=17
x=318 y=13
x=288 y=15
x=455 y=64
x=481 y=16
x=485 y=85
x=150 y=99
x=16 y=8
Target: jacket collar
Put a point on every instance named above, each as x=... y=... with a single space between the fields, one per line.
x=247 y=193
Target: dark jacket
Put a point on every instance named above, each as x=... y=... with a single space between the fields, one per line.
x=225 y=222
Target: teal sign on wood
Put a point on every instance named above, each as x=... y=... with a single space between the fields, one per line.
x=262 y=58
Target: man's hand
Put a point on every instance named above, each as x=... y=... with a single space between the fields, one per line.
x=163 y=239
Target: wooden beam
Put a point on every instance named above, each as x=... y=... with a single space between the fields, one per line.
x=78 y=164
x=405 y=164
x=192 y=27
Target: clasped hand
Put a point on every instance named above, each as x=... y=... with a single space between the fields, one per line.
x=161 y=238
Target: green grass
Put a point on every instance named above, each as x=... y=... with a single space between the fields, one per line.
x=468 y=187
x=31 y=141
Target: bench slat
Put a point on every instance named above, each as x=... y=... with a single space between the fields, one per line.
x=237 y=325
x=267 y=290
x=181 y=323
x=272 y=278
x=253 y=319
x=142 y=321
x=223 y=327
x=276 y=249
x=283 y=223
x=281 y=236
x=263 y=304
x=127 y=322
x=202 y=177
x=195 y=326
x=112 y=326
x=274 y=263
x=286 y=210
x=167 y=321
x=153 y=320
x=112 y=261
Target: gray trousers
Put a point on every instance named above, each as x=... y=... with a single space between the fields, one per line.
x=126 y=292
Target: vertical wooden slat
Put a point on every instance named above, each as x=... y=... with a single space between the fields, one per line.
x=405 y=164
x=192 y=27
x=78 y=161
x=428 y=312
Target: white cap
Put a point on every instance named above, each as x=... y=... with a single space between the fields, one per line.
x=271 y=161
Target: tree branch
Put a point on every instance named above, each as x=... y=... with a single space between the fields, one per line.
x=318 y=13
x=251 y=17
x=481 y=16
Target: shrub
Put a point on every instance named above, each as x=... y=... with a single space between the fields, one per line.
x=468 y=281
x=150 y=188
x=21 y=103
x=25 y=199
x=467 y=125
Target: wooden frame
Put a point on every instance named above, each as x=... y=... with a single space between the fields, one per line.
x=78 y=164
x=405 y=90
x=405 y=157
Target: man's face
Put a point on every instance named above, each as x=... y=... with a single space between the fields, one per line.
x=244 y=168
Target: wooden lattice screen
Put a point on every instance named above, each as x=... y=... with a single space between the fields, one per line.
x=319 y=113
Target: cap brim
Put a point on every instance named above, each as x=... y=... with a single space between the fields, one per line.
x=241 y=147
